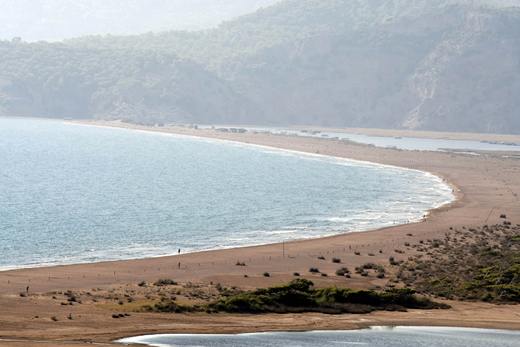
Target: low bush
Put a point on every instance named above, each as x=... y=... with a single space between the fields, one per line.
x=164 y=282
x=342 y=271
x=169 y=306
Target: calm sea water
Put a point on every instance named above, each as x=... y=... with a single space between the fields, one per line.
x=374 y=337
x=71 y=194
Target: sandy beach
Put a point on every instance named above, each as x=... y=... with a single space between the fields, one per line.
x=486 y=187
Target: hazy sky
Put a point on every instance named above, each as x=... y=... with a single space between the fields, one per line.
x=57 y=19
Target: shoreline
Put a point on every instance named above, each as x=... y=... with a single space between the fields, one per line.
x=489 y=186
x=151 y=130
x=382 y=132
x=425 y=213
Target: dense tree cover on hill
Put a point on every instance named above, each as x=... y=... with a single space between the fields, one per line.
x=443 y=65
x=55 y=80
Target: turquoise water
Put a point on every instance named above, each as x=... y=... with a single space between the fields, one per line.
x=374 y=337
x=72 y=194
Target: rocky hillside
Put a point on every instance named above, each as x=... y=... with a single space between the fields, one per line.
x=418 y=64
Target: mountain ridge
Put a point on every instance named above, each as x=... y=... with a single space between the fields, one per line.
x=451 y=65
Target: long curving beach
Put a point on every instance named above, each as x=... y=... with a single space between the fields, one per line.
x=486 y=187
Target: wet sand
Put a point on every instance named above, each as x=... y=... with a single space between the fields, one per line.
x=486 y=187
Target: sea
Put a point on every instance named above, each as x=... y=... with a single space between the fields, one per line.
x=72 y=193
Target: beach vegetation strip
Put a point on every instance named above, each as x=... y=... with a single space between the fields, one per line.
x=300 y=296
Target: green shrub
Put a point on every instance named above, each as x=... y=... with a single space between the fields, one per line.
x=165 y=282
x=300 y=296
x=342 y=271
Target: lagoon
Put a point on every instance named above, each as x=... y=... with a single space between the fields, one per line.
x=373 y=337
x=404 y=143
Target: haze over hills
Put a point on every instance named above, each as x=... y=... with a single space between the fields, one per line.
x=418 y=64
x=35 y=20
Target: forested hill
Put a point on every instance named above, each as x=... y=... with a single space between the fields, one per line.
x=419 y=64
